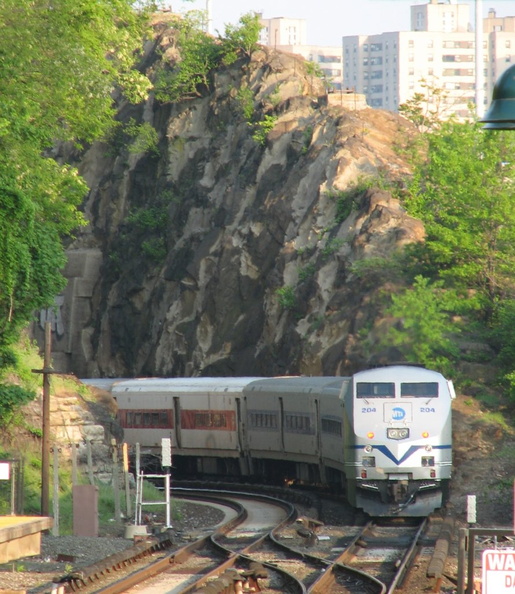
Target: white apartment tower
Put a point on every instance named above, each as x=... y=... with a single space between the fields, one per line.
x=438 y=52
x=289 y=35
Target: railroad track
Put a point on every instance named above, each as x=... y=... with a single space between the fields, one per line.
x=265 y=541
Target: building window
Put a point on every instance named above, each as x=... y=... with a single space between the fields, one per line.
x=507 y=43
x=376 y=47
x=365 y=47
x=411 y=43
x=430 y=43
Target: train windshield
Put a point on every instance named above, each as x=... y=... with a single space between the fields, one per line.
x=375 y=390
x=419 y=390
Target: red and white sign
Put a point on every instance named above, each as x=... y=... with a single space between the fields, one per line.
x=498 y=571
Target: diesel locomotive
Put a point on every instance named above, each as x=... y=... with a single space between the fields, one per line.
x=382 y=435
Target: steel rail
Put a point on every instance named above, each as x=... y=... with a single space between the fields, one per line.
x=407 y=559
x=80 y=579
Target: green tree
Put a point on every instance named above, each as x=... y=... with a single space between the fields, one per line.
x=199 y=54
x=426 y=109
x=242 y=37
x=423 y=330
x=59 y=65
x=463 y=192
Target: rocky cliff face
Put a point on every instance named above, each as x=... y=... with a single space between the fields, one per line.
x=224 y=254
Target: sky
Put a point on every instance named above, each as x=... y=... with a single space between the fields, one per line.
x=329 y=20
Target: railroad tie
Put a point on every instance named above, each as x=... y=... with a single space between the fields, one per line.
x=443 y=543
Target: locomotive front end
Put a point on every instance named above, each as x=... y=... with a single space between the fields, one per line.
x=398 y=456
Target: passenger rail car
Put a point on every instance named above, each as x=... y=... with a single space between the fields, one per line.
x=383 y=435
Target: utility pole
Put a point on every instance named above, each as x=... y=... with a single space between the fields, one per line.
x=45 y=449
x=209 y=17
x=480 y=64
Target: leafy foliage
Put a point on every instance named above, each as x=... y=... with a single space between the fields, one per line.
x=245 y=99
x=463 y=194
x=59 y=63
x=425 y=110
x=200 y=53
x=287 y=299
x=144 y=232
x=423 y=331
x=263 y=127
x=242 y=37
x=11 y=397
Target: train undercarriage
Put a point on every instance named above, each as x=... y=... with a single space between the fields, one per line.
x=402 y=498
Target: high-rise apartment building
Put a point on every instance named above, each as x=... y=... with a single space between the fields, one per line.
x=438 y=52
x=289 y=35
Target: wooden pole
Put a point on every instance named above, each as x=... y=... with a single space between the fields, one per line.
x=45 y=455
x=47 y=371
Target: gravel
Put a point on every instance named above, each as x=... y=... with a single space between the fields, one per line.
x=61 y=555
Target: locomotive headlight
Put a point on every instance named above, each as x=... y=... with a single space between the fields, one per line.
x=368 y=449
x=428 y=461
x=425 y=434
x=397 y=433
x=370 y=435
x=368 y=461
x=428 y=448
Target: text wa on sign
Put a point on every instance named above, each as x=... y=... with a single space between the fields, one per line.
x=498 y=571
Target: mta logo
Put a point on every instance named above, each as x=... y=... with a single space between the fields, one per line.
x=398 y=413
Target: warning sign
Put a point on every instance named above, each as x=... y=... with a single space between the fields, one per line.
x=498 y=571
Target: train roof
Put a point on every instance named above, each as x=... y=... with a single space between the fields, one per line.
x=184 y=384
x=398 y=372
x=102 y=383
x=298 y=384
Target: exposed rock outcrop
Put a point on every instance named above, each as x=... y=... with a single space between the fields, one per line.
x=253 y=270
